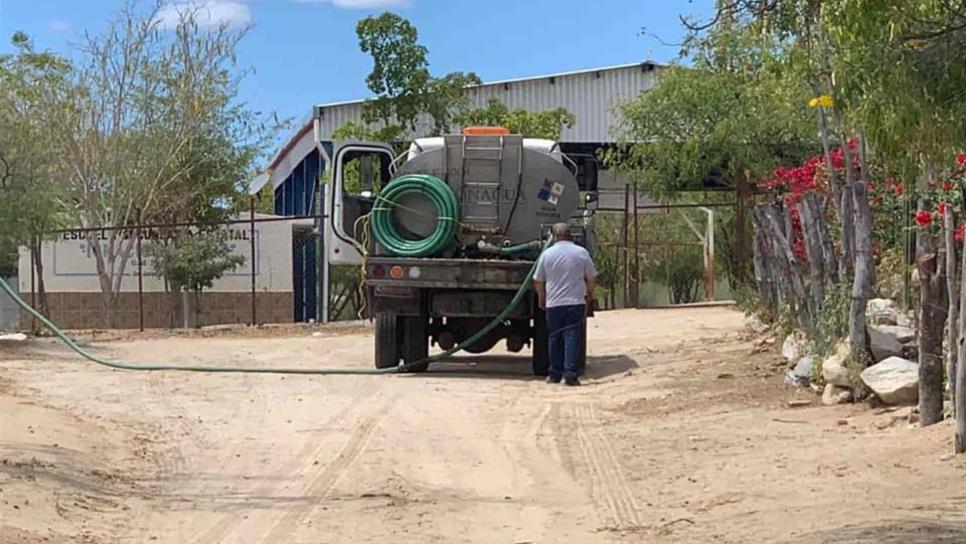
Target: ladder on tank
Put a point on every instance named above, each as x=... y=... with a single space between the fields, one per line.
x=482 y=179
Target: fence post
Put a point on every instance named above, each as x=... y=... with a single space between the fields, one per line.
x=709 y=256
x=137 y=233
x=251 y=236
x=627 y=281
x=33 y=276
x=637 y=257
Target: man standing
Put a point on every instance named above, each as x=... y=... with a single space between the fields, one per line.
x=564 y=281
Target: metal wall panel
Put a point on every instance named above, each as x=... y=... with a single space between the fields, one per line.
x=592 y=96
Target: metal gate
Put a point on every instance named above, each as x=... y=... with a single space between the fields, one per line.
x=305 y=275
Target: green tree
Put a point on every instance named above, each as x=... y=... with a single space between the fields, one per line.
x=155 y=131
x=407 y=96
x=189 y=263
x=539 y=124
x=33 y=90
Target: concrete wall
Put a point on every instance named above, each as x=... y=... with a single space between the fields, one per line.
x=9 y=311
x=74 y=295
x=79 y=310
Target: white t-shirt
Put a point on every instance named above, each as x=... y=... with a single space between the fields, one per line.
x=565 y=267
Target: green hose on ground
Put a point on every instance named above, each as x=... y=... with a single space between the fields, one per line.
x=517 y=297
x=447 y=212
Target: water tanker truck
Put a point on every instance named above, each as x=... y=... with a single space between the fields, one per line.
x=447 y=233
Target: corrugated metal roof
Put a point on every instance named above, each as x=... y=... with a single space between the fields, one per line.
x=591 y=95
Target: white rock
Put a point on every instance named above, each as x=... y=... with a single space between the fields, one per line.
x=895 y=380
x=317 y=334
x=902 y=334
x=834 y=394
x=793 y=348
x=835 y=372
x=13 y=337
x=883 y=343
x=881 y=311
x=752 y=323
x=801 y=375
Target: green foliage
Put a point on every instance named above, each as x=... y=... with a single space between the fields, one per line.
x=731 y=115
x=541 y=124
x=400 y=78
x=192 y=261
x=33 y=88
x=831 y=323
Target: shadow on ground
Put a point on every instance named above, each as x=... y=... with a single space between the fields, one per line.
x=517 y=367
x=891 y=532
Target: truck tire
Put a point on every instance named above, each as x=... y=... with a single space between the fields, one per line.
x=415 y=342
x=387 y=340
x=541 y=350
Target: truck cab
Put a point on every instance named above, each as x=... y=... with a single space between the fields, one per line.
x=509 y=190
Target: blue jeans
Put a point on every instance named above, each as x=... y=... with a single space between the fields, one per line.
x=564 y=330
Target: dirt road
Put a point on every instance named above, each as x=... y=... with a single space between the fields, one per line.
x=681 y=434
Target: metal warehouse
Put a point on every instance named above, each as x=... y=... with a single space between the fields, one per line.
x=591 y=95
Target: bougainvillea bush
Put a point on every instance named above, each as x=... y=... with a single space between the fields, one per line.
x=886 y=198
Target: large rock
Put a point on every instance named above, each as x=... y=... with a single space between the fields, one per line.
x=835 y=372
x=895 y=380
x=881 y=311
x=834 y=394
x=794 y=348
x=902 y=334
x=884 y=343
x=801 y=375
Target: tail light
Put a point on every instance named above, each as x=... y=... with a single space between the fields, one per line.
x=378 y=271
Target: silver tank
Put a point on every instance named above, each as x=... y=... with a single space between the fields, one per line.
x=508 y=187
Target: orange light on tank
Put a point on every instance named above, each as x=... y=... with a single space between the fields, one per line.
x=396 y=272
x=485 y=131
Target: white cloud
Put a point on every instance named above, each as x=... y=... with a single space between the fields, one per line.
x=208 y=13
x=58 y=26
x=361 y=4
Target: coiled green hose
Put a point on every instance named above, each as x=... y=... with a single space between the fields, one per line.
x=447 y=209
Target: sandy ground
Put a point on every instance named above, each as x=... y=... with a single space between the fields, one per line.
x=682 y=434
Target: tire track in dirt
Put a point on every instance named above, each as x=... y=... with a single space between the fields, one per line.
x=302 y=462
x=325 y=478
x=608 y=486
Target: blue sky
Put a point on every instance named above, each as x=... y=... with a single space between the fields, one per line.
x=304 y=52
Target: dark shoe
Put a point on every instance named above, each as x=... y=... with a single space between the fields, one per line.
x=572 y=382
x=551 y=379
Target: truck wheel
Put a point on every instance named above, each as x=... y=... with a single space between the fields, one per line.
x=387 y=340
x=415 y=342
x=541 y=350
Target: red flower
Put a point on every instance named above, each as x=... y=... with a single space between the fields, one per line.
x=948 y=186
x=961 y=160
x=960 y=232
x=923 y=218
x=941 y=208
x=931 y=185
x=899 y=190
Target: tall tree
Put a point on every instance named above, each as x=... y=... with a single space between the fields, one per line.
x=406 y=94
x=155 y=127
x=34 y=86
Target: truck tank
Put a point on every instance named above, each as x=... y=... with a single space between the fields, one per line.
x=508 y=187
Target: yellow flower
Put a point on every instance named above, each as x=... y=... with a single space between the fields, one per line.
x=824 y=101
